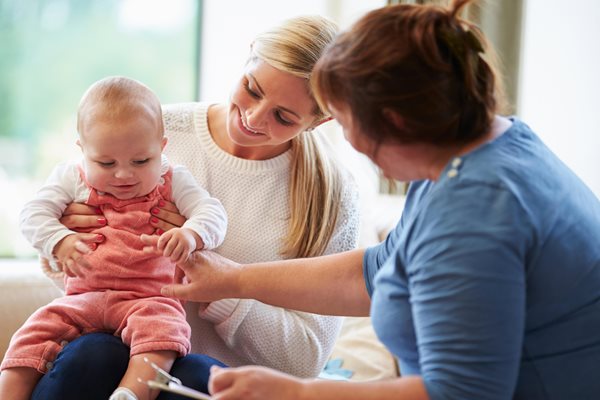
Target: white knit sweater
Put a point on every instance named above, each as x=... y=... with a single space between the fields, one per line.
x=255 y=195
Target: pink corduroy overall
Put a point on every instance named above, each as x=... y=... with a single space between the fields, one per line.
x=119 y=294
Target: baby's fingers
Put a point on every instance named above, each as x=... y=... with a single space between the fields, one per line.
x=167 y=243
x=150 y=244
x=68 y=268
x=83 y=248
x=180 y=254
x=78 y=264
x=83 y=263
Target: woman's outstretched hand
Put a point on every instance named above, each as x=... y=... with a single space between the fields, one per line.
x=252 y=382
x=210 y=276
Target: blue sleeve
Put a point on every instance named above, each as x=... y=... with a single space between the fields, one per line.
x=377 y=255
x=465 y=263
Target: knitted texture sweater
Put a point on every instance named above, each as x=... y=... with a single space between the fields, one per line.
x=255 y=194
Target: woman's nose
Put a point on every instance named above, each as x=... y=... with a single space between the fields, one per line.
x=256 y=116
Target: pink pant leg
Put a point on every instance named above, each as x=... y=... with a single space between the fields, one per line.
x=151 y=324
x=38 y=341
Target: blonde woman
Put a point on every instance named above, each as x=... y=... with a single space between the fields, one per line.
x=285 y=198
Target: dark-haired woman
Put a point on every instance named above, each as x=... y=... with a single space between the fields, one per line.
x=489 y=287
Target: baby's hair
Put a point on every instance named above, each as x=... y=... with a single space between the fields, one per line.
x=116 y=97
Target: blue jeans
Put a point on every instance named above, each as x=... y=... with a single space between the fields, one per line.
x=92 y=366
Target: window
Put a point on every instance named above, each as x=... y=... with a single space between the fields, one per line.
x=51 y=51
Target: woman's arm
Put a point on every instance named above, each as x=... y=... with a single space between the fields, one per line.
x=328 y=285
x=262 y=383
x=296 y=284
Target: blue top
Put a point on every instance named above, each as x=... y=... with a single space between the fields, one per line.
x=489 y=286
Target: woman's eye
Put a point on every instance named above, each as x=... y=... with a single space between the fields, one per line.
x=250 y=91
x=282 y=120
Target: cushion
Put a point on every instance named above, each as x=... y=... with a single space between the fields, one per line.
x=358 y=355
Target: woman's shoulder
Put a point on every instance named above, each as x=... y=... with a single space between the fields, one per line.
x=185 y=107
x=182 y=117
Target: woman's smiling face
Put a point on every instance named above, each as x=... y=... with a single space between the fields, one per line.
x=268 y=108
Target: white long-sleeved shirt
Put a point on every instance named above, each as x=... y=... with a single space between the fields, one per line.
x=39 y=219
x=256 y=196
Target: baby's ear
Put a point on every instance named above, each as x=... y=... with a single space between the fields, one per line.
x=78 y=143
x=163 y=143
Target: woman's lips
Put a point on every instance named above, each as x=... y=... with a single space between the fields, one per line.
x=244 y=128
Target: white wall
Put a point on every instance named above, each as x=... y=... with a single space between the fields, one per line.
x=560 y=81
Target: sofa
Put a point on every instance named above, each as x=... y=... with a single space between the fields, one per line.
x=24 y=289
x=357 y=355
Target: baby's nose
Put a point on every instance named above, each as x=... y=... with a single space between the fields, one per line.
x=123 y=173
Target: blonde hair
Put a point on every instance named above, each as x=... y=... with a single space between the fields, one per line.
x=315 y=181
x=115 y=97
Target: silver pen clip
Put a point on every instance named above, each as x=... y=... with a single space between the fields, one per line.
x=164 y=381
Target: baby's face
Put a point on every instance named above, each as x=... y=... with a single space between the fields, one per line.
x=123 y=157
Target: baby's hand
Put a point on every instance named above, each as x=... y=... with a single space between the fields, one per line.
x=70 y=252
x=179 y=243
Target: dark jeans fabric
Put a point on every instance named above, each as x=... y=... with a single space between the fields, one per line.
x=92 y=366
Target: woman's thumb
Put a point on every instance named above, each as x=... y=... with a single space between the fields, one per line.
x=177 y=291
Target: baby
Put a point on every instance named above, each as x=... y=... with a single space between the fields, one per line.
x=116 y=287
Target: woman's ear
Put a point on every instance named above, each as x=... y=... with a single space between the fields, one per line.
x=394 y=118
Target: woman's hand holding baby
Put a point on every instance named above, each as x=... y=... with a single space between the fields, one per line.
x=166 y=217
x=81 y=216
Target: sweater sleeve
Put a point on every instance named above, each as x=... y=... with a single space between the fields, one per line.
x=205 y=214
x=294 y=342
x=39 y=219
